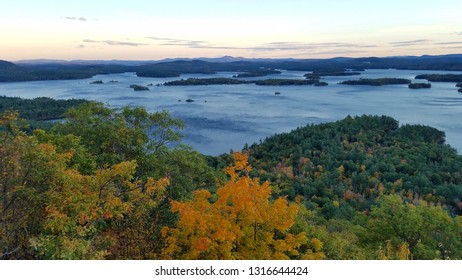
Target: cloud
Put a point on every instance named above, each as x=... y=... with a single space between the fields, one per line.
x=294 y=46
x=180 y=42
x=76 y=18
x=332 y=52
x=449 y=43
x=80 y=47
x=161 y=38
x=266 y=47
x=452 y=47
x=115 y=43
x=121 y=43
x=410 y=43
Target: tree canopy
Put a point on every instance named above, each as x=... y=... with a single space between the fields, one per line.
x=117 y=184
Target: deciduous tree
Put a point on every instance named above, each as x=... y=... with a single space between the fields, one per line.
x=239 y=223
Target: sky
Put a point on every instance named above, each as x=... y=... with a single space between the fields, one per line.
x=151 y=30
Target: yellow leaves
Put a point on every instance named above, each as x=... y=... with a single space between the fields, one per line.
x=317 y=244
x=403 y=252
x=240 y=165
x=81 y=207
x=391 y=252
x=9 y=116
x=152 y=186
x=242 y=223
x=282 y=214
x=315 y=253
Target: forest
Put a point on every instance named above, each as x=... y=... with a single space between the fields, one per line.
x=30 y=71
x=377 y=82
x=118 y=184
x=441 y=77
x=233 y=81
x=205 y=81
x=419 y=85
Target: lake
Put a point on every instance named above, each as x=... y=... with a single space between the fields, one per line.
x=224 y=117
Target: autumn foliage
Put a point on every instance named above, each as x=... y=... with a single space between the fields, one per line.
x=104 y=184
x=241 y=222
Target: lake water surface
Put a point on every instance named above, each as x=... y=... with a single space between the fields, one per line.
x=224 y=117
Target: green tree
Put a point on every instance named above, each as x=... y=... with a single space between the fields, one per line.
x=27 y=169
x=116 y=135
x=426 y=230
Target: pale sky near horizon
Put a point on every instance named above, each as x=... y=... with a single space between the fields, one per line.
x=149 y=29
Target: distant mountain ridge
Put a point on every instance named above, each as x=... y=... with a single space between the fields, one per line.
x=125 y=62
x=225 y=59
x=44 y=69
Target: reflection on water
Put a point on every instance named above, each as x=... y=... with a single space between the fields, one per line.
x=224 y=117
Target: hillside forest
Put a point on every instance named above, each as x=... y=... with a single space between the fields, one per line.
x=104 y=183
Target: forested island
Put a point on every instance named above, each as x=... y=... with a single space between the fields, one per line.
x=419 y=85
x=330 y=72
x=377 y=82
x=441 y=77
x=285 y=82
x=205 y=81
x=257 y=73
x=64 y=70
x=233 y=81
x=106 y=184
x=138 y=88
x=320 y=84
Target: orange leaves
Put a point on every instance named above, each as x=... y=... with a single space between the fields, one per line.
x=240 y=165
x=241 y=223
x=201 y=244
x=280 y=222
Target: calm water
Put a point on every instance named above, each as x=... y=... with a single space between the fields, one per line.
x=225 y=117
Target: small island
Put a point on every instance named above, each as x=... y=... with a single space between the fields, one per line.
x=320 y=84
x=205 y=82
x=330 y=72
x=138 y=88
x=419 y=85
x=285 y=82
x=97 y=82
x=459 y=85
x=377 y=82
x=229 y=81
x=257 y=73
x=189 y=100
x=459 y=90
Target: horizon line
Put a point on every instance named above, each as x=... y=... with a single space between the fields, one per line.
x=223 y=57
